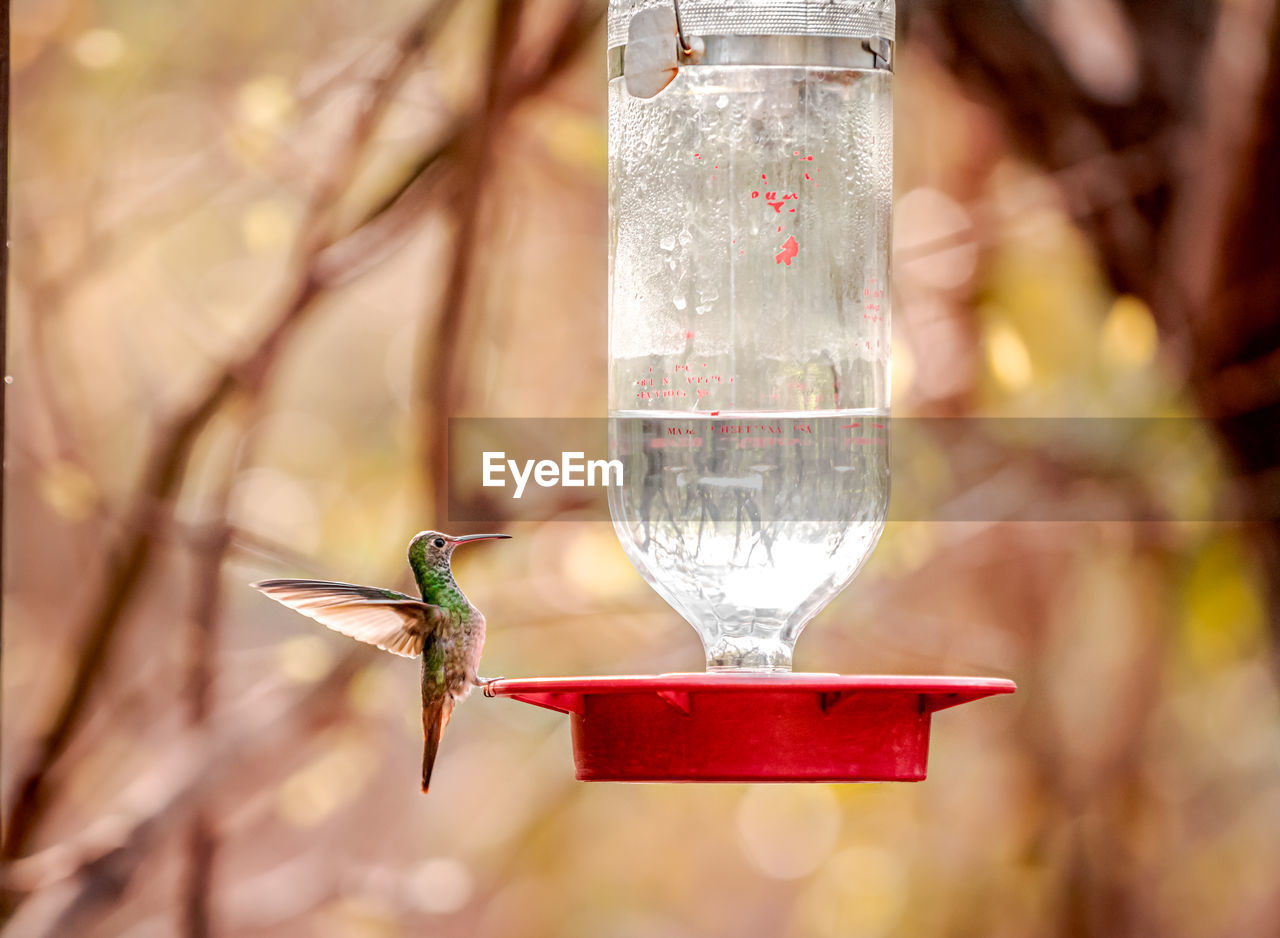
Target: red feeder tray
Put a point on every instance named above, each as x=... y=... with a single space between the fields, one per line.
x=746 y=727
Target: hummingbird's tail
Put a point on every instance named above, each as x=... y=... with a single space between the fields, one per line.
x=435 y=717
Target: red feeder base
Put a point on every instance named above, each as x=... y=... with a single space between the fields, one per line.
x=743 y=727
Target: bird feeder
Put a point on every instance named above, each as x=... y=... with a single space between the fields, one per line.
x=750 y=196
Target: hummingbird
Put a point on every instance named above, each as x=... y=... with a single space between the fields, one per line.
x=444 y=628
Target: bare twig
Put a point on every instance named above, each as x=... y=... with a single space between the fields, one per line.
x=1240 y=295
x=165 y=465
x=206 y=611
x=71 y=882
x=438 y=352
x=443 y=356
x=1196 y=245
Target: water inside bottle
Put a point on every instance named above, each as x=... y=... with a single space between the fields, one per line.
x=749 y=523
x=749 y=343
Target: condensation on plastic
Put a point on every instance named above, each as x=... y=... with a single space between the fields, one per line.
x=852 y=18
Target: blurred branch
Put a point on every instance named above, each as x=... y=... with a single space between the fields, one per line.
x=1131 y=167
x=444 y=352
x=46 y=298
x=1196 y=245
x=1198 y=248
x=439 y=352
x=72 y=882
x=246 y=543
x=1007 y=59
x=166 y=462
x=206 y=612
x=1236 y=313
x=386 y=220
x=577 y=29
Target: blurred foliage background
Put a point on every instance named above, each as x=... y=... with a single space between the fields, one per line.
x=262 y=251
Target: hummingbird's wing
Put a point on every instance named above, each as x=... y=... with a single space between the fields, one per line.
x=393 y=621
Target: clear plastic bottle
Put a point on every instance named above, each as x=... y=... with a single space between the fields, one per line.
x=750 y=203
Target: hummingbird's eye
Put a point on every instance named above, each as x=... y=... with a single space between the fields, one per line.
x=439 y=542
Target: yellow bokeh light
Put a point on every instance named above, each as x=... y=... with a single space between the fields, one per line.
x=98 y=48
x=359 y=916
x=595 y=564
x=69 y=491
x=574 y=140
x=369 y=691
x=267 y=227
x=304 y=659
x=1129 y=337
x=265 y=102
x=902 y=369
x=786 y=831
x=325 y=783
x=861 y=891
x=1007 y=357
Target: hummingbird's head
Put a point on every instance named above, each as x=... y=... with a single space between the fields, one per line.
x=431 y=550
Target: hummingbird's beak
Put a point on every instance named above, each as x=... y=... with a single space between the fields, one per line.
x=468 y=538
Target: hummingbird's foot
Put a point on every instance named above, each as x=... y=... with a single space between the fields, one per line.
x=484 y=683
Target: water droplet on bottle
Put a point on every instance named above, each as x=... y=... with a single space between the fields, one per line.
x=722 y=102
x=668 y=243
x=703 y=309
x=680 y=302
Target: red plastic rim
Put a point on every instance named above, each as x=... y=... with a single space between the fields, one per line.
x=743 y=727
